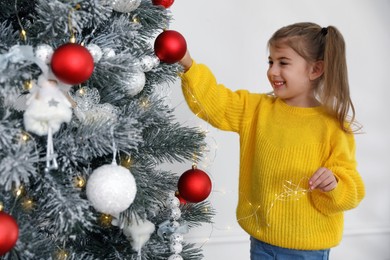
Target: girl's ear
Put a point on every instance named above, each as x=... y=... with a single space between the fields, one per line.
x=317 y=70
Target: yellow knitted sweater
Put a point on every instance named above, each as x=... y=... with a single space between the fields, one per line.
x=280 y=148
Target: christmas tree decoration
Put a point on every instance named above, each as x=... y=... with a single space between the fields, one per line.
x=72 y=63
x=9 y=232
x=170 y=46
x=138 y=232
x=125 y=6
x=95 y=51
x=44 y=52
x=111 y=189
x=194 y=185
x=47 y=108
x=148 y=63
x=181 y=199
x=135 y=83
x=165 y=3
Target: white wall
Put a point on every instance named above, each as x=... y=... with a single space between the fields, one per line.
x=230 y=37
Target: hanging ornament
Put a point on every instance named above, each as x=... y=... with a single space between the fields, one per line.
x=147 y=63
x=170 y=46
x=165 y=3
x=194 y=185
x=135 y=83
x=138 y=232
x=95 y=51
x=111 y=189
x=44 y=52
x=46 y=109
x=9 y=232
x=125 y=6
x=72 y=63
x=182 y=201
x=108 y=52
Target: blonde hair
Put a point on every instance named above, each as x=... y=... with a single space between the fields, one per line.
x=315 y=43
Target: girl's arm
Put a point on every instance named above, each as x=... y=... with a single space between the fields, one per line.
x=349 y=190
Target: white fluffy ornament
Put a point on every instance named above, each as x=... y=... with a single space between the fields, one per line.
x=125 y=6
x=147 y=63
x=138 y=232
x=46 y=108
x=111 y=189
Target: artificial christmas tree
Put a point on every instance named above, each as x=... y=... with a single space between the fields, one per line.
x=84 y=129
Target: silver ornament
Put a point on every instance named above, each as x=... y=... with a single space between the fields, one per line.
x=176 y=248
x=125 y=6
x=172 y=202
x=149 y=62
x=44 y=52
x=108 y=52
x=95 y=51
x=175 y=257
x=135 y=83
x=176 y=238
x=175 y=213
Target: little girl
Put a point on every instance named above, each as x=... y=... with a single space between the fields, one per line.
x=297 y=151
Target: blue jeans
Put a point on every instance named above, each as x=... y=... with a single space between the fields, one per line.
x=264 y=251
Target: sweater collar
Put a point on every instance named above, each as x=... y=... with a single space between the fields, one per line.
x=299 y=110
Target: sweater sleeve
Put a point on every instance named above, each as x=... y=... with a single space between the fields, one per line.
x=350 y=188
x=213 y=102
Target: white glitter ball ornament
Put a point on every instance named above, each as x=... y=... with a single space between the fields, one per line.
x=111 y=189
x=125 y=6
x=135 y=83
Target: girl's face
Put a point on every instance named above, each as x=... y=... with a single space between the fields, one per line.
x=291 y=77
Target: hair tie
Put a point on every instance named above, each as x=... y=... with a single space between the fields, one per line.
x=324 y=31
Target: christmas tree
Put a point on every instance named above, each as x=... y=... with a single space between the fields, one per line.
x=86 y=133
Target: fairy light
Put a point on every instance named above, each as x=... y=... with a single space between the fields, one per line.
x=136 y=19
x=19 y=191
x=24 y=137
x=1 y=206
x=62 y=254
x=127 y=162
x=23 y=33
x=105 y=220
x=28 y=204
x=79 y=181
x=145 y=103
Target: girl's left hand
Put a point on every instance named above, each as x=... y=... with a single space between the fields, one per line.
x=323 y=179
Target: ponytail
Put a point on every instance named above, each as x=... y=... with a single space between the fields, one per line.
x=334 y=94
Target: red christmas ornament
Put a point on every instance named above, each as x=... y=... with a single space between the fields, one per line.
x=170 y=46
x=165 y=3
x=9 y=232
x=182 y=201
x=194 y=185
x=72 y=63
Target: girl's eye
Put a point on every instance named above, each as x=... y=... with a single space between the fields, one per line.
x=283 y=63
x=270 y=62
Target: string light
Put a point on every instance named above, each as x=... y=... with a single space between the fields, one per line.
x=23 y=33
x=126 y=162
x=62 y=254
x=105 y=220
x=28 y=204
x=1 y=206
x=79 y=181
x=19 y=191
